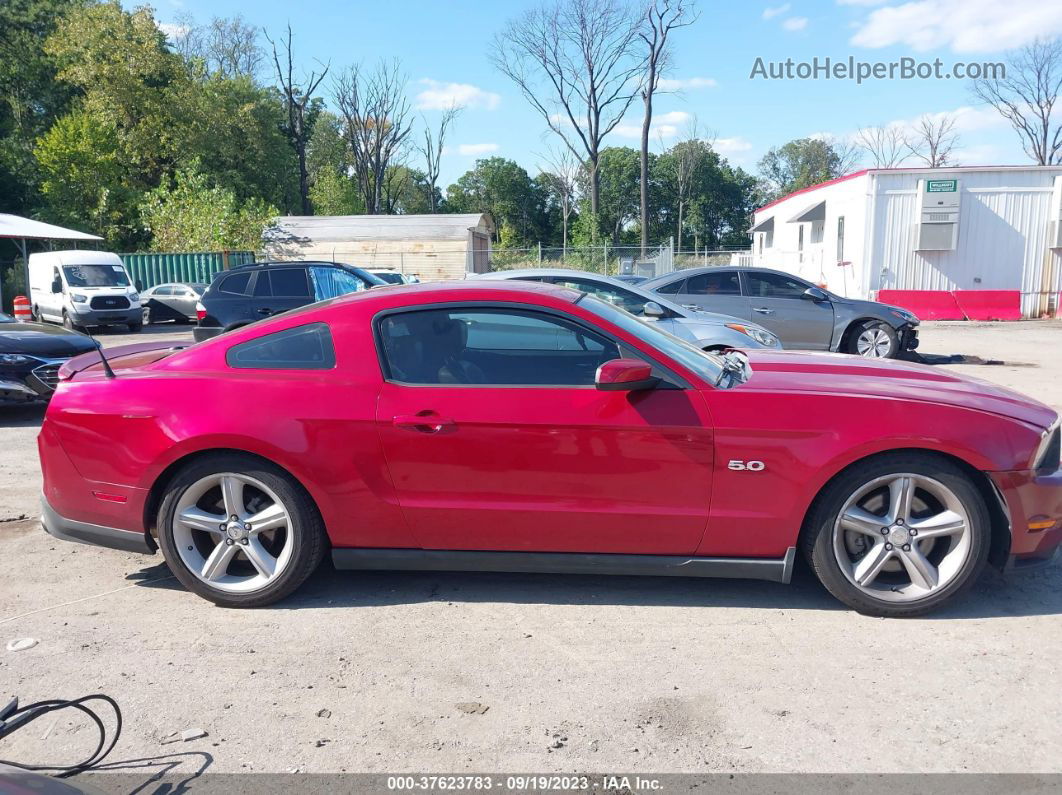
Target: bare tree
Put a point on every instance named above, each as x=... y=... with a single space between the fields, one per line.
x=1026 y=97
x=376 y=123
x=661 y=17
x=297 y=96
x=563 y=175
x=577 y=62
x=885 y=144
x=932 y=140
x=432 y=150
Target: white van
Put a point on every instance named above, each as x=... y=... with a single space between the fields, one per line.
x=83 y=288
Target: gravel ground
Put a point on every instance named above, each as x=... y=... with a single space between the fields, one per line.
x=381 y=672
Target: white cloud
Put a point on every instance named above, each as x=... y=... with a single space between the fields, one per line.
x=968 y=26
x=731 y=146
x=679 y=84
x=861 y=2
x=771 y=13
x=172 y=30
x=665 y=125
x=472 y=150
x=795 y=23
x=442 y=96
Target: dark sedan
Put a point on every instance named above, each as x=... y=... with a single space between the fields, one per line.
x=803 y=315
x=30 y=357
x=171 y=301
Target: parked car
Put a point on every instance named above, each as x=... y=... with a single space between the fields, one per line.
x=241 y=296
x=401 y=429
x=391 y=276
x=30 y=356
x=171 y=301
x=83 y=288
x=803 y=315
x=706 y=330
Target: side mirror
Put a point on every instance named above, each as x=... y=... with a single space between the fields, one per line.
x=57 y=286
x=139 y=286
x=816 y=295
x=653 y=309
x=625 y=375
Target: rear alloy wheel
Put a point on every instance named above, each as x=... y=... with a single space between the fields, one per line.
x=898 y=535
x=874 y=340
x=239 y=532
x=145 y=316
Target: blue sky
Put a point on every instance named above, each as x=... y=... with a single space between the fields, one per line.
x=443 y=48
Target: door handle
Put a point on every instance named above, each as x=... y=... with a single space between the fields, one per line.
x=264 y=311
x=424 y=422
x=763 y=310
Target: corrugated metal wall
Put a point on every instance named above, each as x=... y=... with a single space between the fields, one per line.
x=152 y=268
x=1004 y=223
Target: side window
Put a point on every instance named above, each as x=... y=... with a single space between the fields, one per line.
x=289 y=283
x=774 y=285
x=333 y=282
x=302 y=348
x=673 y=288
x=722 y=283
x=163 y=291
x=236 y=283
x=262 y=288
x=505 y=347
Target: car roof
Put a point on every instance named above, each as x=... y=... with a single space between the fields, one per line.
x=667 y=278
x=518 y=273
x=289 y=264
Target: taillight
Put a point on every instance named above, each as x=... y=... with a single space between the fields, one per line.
x=200 y=311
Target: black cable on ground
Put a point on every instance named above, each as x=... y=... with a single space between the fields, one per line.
x=13 y=718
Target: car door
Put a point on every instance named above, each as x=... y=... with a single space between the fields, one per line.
x=497 y=439
x=277 y=290
x=714 y=291
x=183 y=302
x=778 y=303
x=159 y=301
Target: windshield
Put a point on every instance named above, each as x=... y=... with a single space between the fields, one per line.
x=96 y=276
x=6 y=318
x=708 y=366
x=390 y=278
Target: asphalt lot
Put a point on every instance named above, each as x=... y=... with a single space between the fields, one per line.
x=366 y=672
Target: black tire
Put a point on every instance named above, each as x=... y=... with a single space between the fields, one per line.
x=135 y=327
x=817 y=539
x=68 y=323
x=306 y=528
x=877 y=328
x=35 y=314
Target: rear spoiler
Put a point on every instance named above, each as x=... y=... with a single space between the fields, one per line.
x=93 y=359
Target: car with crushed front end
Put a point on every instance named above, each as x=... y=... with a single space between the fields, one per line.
x=803 y=315
x=709 y=331
x=512 y=426
x=30 y=357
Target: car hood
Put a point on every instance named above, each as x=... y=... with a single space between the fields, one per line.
x=836 y=373
x=41 y=339
x=874 y=309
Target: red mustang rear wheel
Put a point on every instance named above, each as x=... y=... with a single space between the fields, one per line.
x=238 y=531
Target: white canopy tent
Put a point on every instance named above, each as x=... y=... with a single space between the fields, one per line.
x=21 y=230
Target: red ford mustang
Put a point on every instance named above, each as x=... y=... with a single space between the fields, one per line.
x=521 y=427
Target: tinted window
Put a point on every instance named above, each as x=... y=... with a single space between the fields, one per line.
x=164 y=290
x=333 y=282
x=624 y=299
x=235 y=284
x=774 y=285
x=302 y=348
x=261 y=285
x=289 y=283
x=491 y=346
x=673 y=288
x=723 y=283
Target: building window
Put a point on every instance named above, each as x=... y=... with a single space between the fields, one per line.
x=800 y=243
x=840 y=238
x=768 y=239
x=817 y=231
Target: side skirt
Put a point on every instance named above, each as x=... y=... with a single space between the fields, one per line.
x=772 y=569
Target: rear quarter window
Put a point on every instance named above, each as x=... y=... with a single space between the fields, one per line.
x=236 y=284
x=302 y=348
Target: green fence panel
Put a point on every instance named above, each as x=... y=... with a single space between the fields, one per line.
x=151 y=268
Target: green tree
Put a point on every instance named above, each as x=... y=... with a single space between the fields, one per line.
x=619 y=176
x=332 y=193
x=502 y=188
x=196 y=215
x=805 y=162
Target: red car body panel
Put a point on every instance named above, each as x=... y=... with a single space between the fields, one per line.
x=537 y=468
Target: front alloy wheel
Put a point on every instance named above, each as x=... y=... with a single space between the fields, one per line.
x=899 y=534
x=875 y=340
x=239 y=532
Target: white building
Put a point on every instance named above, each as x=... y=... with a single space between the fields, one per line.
x=434 y=247
x=944 y=242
